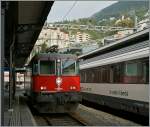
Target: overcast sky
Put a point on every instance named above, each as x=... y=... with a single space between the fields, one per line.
x=82 y=9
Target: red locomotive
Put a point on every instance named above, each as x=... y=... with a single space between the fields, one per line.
x=55 y=86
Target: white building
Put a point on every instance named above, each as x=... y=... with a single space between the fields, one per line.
x=123 y=33
x=50 y=37
x=82 y=37
x=19 y=77
x=117 y=36
x=112 y=18
x=143 y=24
x=53 y=37
x=6 y=76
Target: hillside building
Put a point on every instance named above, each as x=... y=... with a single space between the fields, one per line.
x=53 y=37
x=82 y=37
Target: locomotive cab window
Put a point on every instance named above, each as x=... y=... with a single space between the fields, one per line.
x=47 y=67
x=69 y=67
x=77 y=67
x=35 y=68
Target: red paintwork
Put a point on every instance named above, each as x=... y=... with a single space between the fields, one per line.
x=50 y=83
x=133 y=79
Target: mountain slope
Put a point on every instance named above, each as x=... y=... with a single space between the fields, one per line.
x=122 y=7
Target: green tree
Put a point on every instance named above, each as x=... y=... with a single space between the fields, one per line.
x=125 y=23
x=44 y=47
x=52 y=49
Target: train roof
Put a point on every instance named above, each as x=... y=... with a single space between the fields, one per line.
x=53 y=56
x=126 y=41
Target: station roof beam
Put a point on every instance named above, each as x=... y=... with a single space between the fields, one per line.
x=24 y=21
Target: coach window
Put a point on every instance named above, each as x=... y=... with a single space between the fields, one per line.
x=47 y=67
x=146 y=71
x=131 y=69
x=118 y=71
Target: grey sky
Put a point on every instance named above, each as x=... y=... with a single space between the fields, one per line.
x=82 y=9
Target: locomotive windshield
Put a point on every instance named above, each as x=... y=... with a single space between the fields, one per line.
x=69 y=67
x=55 y=64
x=47 y=67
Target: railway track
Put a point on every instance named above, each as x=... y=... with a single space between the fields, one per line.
x=59 y=120
x=139 y=119
x=64 y=120
x=84 y=116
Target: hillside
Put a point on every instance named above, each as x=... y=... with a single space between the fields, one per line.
x=122 y=7
x=126 y=8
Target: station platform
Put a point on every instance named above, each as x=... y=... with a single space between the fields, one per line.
x=19 y=114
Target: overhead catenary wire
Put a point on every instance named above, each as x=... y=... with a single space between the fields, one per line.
x=69 y=10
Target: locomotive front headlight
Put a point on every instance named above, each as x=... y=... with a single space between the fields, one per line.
x=71 y=87
x=41 y=87
x=58 y=81
x=74 y=87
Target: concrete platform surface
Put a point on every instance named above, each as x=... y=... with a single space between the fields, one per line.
x=19 y=114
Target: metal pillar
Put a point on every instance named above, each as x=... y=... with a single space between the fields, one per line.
x=24 y=80
x=2 y=64
x=14 y=84
x=11 y=77
x=11 y=80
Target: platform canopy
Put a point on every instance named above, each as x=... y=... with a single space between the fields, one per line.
x=23 y=23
